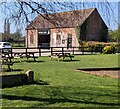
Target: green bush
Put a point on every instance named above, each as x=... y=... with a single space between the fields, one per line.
x=18 y=45
x=117 y=48
x=87 y=47
x=114 y=35
x=98 y=47
x=92 y=46
x=109 y=49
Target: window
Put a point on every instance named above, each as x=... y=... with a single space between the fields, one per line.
x=31 y=39
x=63 y=41
x=7 y=44
x=58 y=39
x=69 y=41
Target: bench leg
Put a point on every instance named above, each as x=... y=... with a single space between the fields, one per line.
x=9 y=68
x=20 y=60
x=64 y=57
x=34 y=59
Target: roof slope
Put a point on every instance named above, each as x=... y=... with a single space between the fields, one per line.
x=62 y=19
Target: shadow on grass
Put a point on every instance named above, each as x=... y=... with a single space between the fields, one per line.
x=30 y=61
x=99 y=69
x=86 y=54
x=17 y=61
x=12 y=70
x=56 y=100
x=40 y=82
x=69 y=60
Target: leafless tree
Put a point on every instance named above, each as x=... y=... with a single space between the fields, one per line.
x=23 y=11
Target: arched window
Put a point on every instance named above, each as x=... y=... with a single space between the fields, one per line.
x=31 y=39
x=58 y=39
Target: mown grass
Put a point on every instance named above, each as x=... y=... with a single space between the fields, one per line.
x=59 y=85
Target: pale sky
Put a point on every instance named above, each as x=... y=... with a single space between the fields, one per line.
x=111 y=19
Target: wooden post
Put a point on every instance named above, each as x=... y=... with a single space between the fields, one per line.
x=26 y=51
x=73 y=50
x=82 y=50
x=91 y=50
x=51 y=50
x=39 y=51
x=11 y=52
x=62 y=50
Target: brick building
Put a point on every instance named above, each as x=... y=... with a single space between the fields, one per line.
x=64 y=29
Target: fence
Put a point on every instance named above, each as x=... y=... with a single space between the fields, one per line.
x=42 y=52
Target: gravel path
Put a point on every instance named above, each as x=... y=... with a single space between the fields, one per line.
x=114 y=74
x=109 y=73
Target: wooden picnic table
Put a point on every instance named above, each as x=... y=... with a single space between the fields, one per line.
x=7 y=61
x=61 y=55
x=8 y=56
x=25 y=54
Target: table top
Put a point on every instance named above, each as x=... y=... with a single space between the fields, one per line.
x=61 y=54
x=23 y=52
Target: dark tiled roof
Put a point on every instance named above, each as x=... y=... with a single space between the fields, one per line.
x=62 y=19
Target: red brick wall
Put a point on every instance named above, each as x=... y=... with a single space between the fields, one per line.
x=63 y=32
x=94 y=27
x=32 y=33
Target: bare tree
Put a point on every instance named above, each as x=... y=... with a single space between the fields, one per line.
x=24 y=11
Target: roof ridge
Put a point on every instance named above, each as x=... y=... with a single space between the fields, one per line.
x=82 y=15
x=74 y=11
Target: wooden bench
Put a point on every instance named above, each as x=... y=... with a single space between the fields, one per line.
x=55 y=56
x=6 y=60
x=25 y=55
x=64 y=55
x=34 y=57
x=8 y=64
x=61 y=55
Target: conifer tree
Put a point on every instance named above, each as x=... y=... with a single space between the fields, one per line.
x=6 y=34
x=5 y=25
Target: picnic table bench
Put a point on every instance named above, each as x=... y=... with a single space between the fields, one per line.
x=6 y=61
x=25 y=54
x=8 y=64
x=61 y=55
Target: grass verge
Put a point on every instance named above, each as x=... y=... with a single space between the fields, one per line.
x=58 y=85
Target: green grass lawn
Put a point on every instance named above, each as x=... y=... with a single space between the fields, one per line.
x=59 y=85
